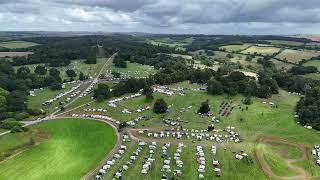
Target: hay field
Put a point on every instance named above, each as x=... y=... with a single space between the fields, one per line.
x=295 y=56
x=266 y=50
x=17 y=44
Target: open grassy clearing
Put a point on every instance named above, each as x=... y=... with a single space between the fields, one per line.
x=281 y=65
x=315 y=76
x=265 y=50
x=17 y=44
x=295 y=56
x=14 y=54
x=76 y=65
x=70 y=151
x=286 y=43
x=133 y=69
x=235 y=48
x=315 y=63
x=170 y=42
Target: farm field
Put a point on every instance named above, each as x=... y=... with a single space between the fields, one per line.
x=13 y=54
x=266 y=50
x=287 y=43
x=76 y=65
x=281 y=65
x=315 y=76
x=296 y=56
x=17 y=44
x=170 y=42
x=70 y=150
x=315 y=63
x=235 y=48
x=132 y=70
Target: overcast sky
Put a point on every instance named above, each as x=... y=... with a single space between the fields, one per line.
x=163 y=16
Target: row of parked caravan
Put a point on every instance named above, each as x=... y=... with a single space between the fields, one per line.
x=96 y=116
x=227 y=136
x=316 y=152
x=149 y=161
x=104 y=169
x=179 y=162
x=72 y=91
x=119 y=173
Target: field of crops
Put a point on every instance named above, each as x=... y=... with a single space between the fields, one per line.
x=235 y=48
x=295 y=56
x=286 y=43
x=17 y=44
x=68 y=149
x=265 y=50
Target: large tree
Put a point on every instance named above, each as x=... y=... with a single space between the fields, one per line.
x=214 y=87
x=41 y=70
x=204 y=108
x=160 y=106
x=102 y=92
x=71 y=74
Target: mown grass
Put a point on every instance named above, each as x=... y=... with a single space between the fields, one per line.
x=17 y=44
x=74 y=147
x=133 y=69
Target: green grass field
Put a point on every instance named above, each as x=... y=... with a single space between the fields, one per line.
x=76 y=65
x=265 y=50
x=17 y=44
x=296 y=56
x=70 y=151
x=133 y=69
x=315 y=63
x=286 y=43
x=236 y=48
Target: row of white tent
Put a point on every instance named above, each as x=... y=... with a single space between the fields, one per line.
x=177 y=158
x=113 y=102
x=201 y=160
x=134 y=121
x=166 y=159
x=57 y=97
x=215 y=162
x=316 y=152
x=163 y=90
x=95 y=110
x=148 y=163
x=219 y=138
x=96 y=116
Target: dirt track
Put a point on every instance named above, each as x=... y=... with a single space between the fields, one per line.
x=290 y=162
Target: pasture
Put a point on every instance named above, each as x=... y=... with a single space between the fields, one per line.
x=132 y=70
x=69 y=152
x=14 y=54
x=76 y=65
x=235 y=48
x=315 y=63
x=17 y=44
x=285 y=43
x=263 y=50
x=295 y=56
x=281 y=65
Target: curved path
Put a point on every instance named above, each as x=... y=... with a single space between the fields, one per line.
x=290 y=162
